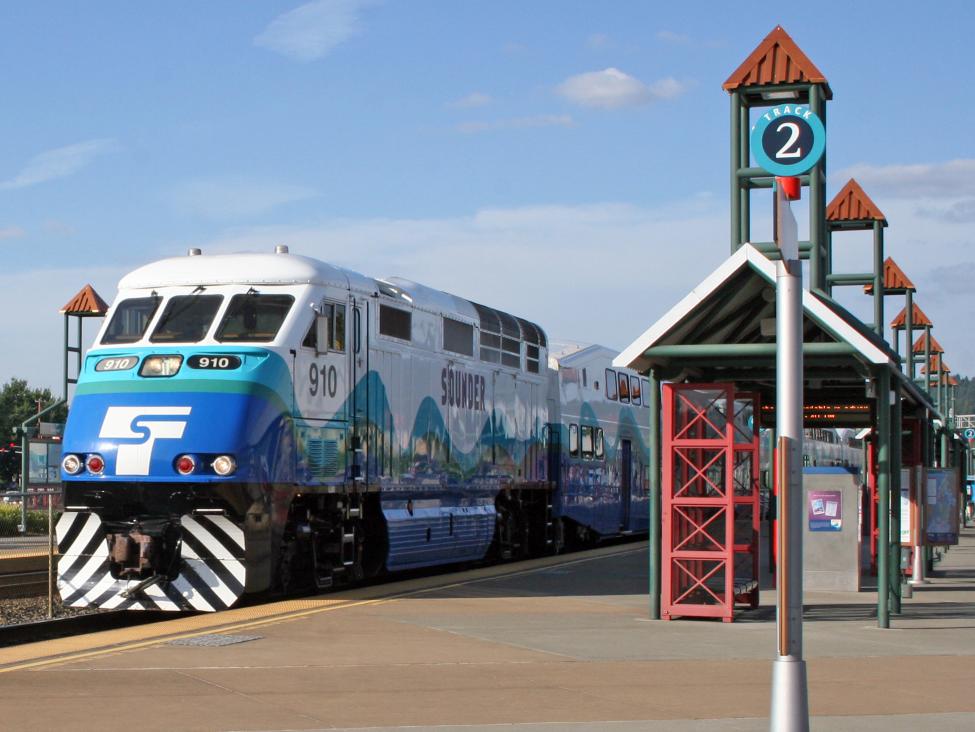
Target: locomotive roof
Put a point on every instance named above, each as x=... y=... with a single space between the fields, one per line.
x=283 y=268
x=488 y=318
x=242 y=269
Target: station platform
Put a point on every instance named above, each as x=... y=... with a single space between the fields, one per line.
x=560 y=643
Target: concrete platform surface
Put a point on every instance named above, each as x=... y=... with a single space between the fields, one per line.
x=561 y=643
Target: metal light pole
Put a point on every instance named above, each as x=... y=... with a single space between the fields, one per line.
x=790 y=701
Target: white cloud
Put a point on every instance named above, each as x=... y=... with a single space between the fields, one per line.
x=533 y=261
x=517 y=123
x=59 y=163
x=231 y=198
x=311 y=31
x=11 y=232
x=953 y=179
x=471 y=101
x=599 y=41
x=614 y=89
x=671 y=37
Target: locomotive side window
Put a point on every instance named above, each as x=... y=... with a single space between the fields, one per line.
x=635 y=390
x=611 y=392
x=131 y=319
x=646 y=392
x=587 y=441
x=458 y=337
x=254 y=318
x=395 y=322
x=531 y=358
x=511 y=352
x=335 y=317
x=624 y=387
x=186 y=318
x=600 y=444
x=490 y=347
x=574 y=440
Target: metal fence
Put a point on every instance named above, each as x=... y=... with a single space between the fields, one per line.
x=28 y=544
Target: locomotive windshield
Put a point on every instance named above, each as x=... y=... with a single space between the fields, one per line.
x=131 y=320
x=254 y=317
x=186 y=318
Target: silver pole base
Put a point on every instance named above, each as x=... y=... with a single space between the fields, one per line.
x=790 y=700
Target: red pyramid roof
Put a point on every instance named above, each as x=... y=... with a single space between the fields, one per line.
x=918 y=318
x=86 y=302
x=852 y=204
x=895 y=281
x=952 y=381
x=919 y=345
x=934 y=366
x=776 y=60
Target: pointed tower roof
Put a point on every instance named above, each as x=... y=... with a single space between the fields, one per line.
x=919 y=344
x=934 y=367
x=895 y=281
x=918 y=318
x=776 y=60
x=852 y=204
x=952 y=381
x=86 y=303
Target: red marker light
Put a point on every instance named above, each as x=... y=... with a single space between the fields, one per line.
x=95 y=464
x=185 y=464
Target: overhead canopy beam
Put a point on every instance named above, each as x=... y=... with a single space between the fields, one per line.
x=734 y=350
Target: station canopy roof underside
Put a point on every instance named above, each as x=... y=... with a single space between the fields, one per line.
x=724 y=331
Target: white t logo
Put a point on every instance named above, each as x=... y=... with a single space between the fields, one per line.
x=134 y=459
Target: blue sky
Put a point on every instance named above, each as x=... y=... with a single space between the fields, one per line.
x=565 y=161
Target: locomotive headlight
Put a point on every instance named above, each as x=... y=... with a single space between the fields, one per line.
x=185 y=464
x=154 y=366
x=95 y=464
x=224 y=465
x=71 y=464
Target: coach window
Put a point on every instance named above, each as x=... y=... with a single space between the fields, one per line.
x=635 y=390
x=646 y=392
x=458 y=337
x=600 y=444
x=611 y=385
x=395 y=322
x=587 y=441
x=624 y=387
x=186 y=318
x=131 y=319
x=254 y=318
x=574 y=440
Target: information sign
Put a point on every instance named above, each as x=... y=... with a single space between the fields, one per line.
x=969 y=434
x=788 y=139
x=825 y=511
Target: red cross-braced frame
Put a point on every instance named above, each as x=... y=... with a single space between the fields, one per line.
x=710 y=500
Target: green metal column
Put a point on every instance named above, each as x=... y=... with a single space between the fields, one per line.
x=878 y=278
x=909 y=334
x=897 y=437
x=883 y=498
x=817 y=202
x=735 y=165
x=745 y=193
x=655 y=488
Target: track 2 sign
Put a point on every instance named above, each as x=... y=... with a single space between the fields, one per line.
x=788 y=139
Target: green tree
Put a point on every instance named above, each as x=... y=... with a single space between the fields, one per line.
x=18 y=402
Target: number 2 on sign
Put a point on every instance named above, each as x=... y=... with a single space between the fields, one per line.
x=784 y=151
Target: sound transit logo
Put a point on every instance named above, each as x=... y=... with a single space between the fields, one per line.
x=128 y=423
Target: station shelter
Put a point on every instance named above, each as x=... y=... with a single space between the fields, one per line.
x=711 y=361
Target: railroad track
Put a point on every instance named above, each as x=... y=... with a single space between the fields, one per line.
x=23 y=575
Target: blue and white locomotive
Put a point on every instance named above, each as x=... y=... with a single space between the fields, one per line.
x=257 y=422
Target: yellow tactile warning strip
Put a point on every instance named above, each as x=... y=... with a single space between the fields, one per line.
x=23 y=554
x=66 y=650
